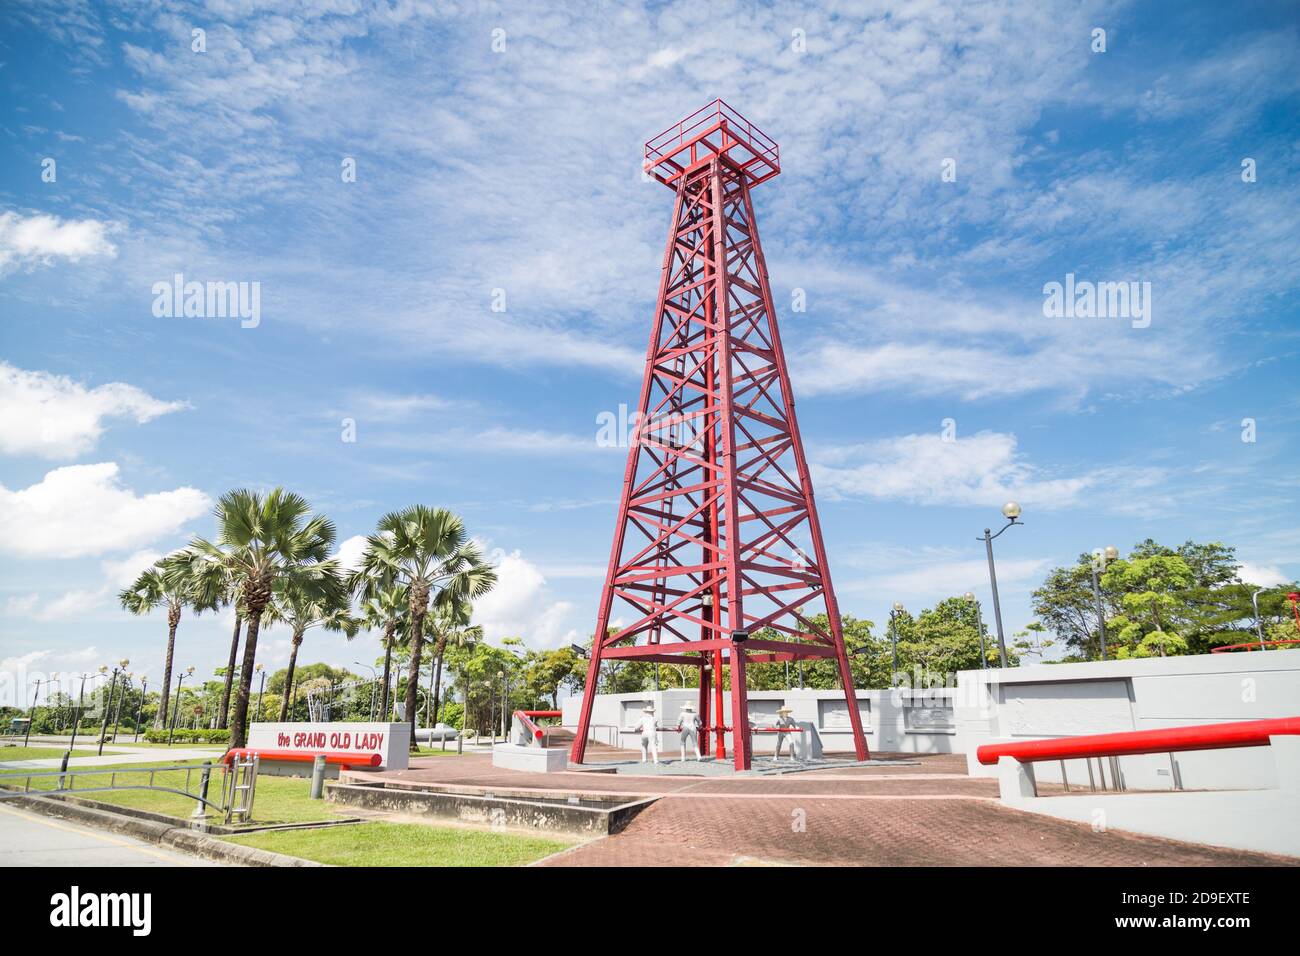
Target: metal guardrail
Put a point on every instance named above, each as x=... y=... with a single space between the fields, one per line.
x=1167 y=740
x=238 y=785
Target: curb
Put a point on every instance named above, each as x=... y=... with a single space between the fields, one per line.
x=177 y=838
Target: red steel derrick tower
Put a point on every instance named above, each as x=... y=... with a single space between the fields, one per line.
x=718 y=559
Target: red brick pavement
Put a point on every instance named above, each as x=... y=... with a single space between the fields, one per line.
x=926 y=814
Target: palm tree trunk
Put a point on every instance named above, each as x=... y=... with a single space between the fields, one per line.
x=239 y=725
x=173 y=620
x=388 y=672
x=222 y=718
x=413 y=679
x=288 y=680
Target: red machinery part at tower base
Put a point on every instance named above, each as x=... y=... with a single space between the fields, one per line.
x=1246 y=733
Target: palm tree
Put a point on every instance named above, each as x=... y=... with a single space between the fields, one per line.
x=166 y=584
x=322 y=603
x=264 y=542
x=450 y=625
x=220 y=590
x=428 y=551
x=383 y=607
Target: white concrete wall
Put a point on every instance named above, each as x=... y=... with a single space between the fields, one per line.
x=1061 y=700
x=1264 y=820
x=907 y=721
x=1029 y=703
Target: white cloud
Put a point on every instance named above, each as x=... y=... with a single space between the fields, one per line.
x=122 y=574
x=983 y=469
x=51 y=416
x=1262 y=575
x=349 y=553
x=521 y=605
x=22 y=605
x=40 y=239
x=931 y=582
x=379 y=406
x=70 y=605
x=81 y=510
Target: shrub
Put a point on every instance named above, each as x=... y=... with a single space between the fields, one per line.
x=203 y=735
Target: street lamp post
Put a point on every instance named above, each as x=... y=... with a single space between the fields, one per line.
x=139 y=711
x=1259 y=624
x=397 y=684
x=505 y=705
x=117 y=714
x=180 y=679
x=1010 y=511
x=31 y=718
x=81 y=703
x=108 y=706
x=894 y=612
x=261 y=689
x=1100 y=558
x=979 y=623
x=374 y=679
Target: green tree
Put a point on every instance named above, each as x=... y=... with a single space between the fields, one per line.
x=263 y=542
x=449 y=624
x=301 y=605
x=1151 y=592
x=428 y=551
x=546 y=673
x=943 y=640
x=168 y=584
x=383 y=608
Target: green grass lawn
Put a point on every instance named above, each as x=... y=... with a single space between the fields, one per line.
x=404 y=844
x=278 y=799
x=178 y=745
x=39 y=753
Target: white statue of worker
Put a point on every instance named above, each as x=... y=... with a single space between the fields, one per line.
x=688 y=729
x=787 y=726
x=649 y=731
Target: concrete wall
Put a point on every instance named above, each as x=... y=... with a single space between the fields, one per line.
x=1061 y=700
x=903 y=720
x=1027 y=703
x=1263 y=820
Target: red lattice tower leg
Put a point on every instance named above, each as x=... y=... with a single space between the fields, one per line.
x=718 y=558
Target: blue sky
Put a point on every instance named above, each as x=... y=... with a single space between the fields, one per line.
x=498 y=149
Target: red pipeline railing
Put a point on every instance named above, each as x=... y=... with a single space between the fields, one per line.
x=298 y=756
x=525 y=718
x=1245 y=733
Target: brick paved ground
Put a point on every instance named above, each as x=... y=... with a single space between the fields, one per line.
x=928 y=813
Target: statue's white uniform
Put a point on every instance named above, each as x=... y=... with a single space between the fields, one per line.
x=783 y=721
x=648 y=729
x=688 y=727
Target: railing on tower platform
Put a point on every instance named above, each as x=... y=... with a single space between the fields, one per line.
x=716 y=129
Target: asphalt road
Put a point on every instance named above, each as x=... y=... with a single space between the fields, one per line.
x=29 y=839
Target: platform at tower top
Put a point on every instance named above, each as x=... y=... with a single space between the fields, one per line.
x=714 y=130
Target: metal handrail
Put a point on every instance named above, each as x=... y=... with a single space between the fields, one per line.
x=1245 y=733
x=65 y=775
x=699 y=126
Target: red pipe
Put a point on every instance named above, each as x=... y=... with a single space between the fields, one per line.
x=1249 y=646
x=1245 y=733
x=298 y=756
x=528 y=724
